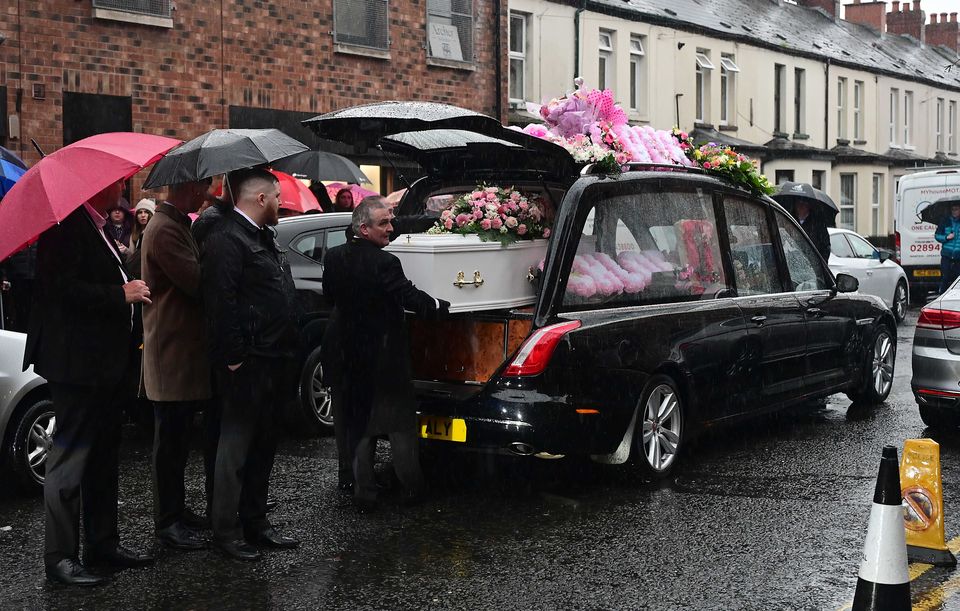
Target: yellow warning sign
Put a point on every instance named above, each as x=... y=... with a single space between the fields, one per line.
x=921 y=488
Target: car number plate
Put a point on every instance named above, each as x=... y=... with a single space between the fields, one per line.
x=926 y=273
x=447 y=429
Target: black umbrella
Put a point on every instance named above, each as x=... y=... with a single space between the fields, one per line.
x=318 y=165
x=791 y=193
x=368 y=123
x=940 y=209
x=220 y=151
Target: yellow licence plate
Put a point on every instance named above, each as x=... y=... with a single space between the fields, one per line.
x=447 y=429
x=927 y=272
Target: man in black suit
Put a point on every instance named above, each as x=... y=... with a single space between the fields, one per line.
x=249 y=302
x=367 y=350
x=81 y=339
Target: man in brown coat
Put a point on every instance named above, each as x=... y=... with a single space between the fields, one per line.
x=176 y=370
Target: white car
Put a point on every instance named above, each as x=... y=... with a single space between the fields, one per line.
x=851 y=253
x=26 y=415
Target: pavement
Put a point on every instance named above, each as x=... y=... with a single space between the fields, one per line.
x=766 y=515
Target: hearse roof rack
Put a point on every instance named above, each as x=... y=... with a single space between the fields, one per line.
x=591 y=168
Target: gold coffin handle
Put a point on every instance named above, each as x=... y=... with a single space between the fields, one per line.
x=462 y=279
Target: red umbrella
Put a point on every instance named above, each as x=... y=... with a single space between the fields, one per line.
x=294 y=195
x=358 y=192
x=62 y=181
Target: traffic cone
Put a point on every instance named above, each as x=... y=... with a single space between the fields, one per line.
x=884 y=582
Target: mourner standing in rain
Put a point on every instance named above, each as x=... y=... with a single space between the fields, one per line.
x=375 y=394
x=81 y=340
x=249 y=304
x=176 y=370
x=948 y=234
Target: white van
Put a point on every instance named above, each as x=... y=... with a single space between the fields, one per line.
x=917 y=251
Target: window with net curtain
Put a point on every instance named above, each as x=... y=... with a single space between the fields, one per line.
x=363 y=23
x=450 y=30
x=155 y=8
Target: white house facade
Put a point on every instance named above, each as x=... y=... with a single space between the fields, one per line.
x=849 y=107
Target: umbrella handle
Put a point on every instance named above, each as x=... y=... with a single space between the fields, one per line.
x=37 y=146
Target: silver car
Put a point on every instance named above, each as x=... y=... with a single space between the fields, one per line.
x=936 y=360
x=26 y=415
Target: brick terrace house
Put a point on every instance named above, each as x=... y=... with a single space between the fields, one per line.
x=72 y=68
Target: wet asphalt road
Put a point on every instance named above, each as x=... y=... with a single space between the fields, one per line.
x=769 y=515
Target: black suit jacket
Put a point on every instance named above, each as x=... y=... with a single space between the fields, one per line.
x=365 y=348
x=80 y=330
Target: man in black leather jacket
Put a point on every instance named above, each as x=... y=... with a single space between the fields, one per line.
x=249 y=302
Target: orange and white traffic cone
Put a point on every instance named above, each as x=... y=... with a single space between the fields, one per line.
x=884 y=581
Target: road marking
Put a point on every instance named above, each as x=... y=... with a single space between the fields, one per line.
x=931 y=599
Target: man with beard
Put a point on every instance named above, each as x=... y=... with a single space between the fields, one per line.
x=249 y=303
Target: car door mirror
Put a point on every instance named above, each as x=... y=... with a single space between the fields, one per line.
x=884 y=255
x=847 y=283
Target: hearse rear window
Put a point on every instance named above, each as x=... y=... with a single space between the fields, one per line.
x=646 y=248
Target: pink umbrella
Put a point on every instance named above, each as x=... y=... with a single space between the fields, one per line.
x=395 y=197
x=60 y=182
x=358 y=192
x=294 y=195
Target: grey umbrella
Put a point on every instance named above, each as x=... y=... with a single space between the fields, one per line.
x=319 y=165
x=940 y=209
x=220 y=151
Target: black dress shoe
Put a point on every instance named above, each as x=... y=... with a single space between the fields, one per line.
x=192 y=519
x=119 y=557
x=179 y=536
x=237 y=549
x=72 y=573
x=269 y=537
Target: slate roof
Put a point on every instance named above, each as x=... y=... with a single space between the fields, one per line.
x=794 y=30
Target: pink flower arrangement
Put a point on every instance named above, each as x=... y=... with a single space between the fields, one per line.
x=594 y=129
x=493 y=213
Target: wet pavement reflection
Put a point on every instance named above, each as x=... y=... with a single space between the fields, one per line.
x=769 y=515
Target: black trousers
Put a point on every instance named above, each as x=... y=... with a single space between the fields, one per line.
x=949 y=270
x=341 y=433
x=250 y=398
x=172 y=432
x=405 y=449
x=82 y=470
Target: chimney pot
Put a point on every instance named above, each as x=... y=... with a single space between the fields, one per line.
x=953 y=17
x=933 y=19
x=896 y=7
x=916 y=5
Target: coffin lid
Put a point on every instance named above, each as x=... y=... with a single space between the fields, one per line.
x=460 y=153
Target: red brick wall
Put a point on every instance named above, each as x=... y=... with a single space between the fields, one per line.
x=906 y=19
x=278 y=55
x=871 y=14
x=942 y=31
x=828 y=5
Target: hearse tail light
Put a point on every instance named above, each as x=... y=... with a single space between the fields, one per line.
x=935 y=318
x=535 y=353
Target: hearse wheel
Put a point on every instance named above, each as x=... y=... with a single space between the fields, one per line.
x=879 y=357
x=660 y=426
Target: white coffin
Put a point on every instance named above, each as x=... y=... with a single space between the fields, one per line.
x=469 y=273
